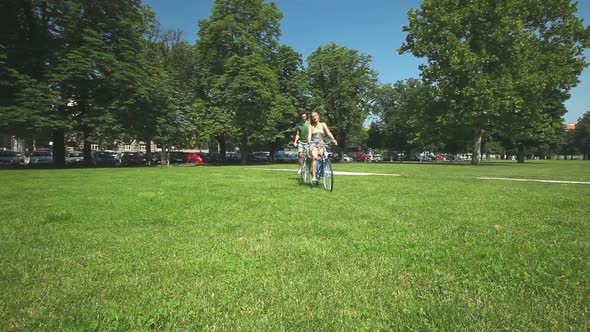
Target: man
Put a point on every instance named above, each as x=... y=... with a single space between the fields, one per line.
x=300 y=138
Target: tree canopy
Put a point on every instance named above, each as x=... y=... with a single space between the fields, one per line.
x=495 y=63
x=342 y=88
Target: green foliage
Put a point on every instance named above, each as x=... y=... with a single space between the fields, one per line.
x=501 y=65
x=27 y=50
x=343 y=86
x=410 y=115
x=239 y=73
x=250 y=89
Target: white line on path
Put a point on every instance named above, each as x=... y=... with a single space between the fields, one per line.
x=533 y=180
x=392 y=174
x=335 y=172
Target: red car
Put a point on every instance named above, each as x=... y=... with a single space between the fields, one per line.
x=358 y=156
x=193 y=157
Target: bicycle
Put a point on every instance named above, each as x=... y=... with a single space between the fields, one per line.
x=305 y=171
x=324 y=170
x=305 y=168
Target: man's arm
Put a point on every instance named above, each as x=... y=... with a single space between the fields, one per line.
x=296 y=138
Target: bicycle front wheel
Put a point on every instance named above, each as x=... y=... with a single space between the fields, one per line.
x=304 y=172
x=328 y=176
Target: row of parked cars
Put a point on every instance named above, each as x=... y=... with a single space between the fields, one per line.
x=44 y=157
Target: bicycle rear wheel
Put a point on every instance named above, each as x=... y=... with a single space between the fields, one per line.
x=328 y=176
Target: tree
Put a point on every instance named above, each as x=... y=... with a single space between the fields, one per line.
x=100 y=62
x=28 y=46
x=343 y=86
x=293 y=97
x=582 y=135
x=238 y=42
x=407 y=113
x=250 y=87
x=492 y=59
x=163 y=107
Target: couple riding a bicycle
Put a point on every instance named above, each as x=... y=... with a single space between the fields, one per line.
x=313 y=156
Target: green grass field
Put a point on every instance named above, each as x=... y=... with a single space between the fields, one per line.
x=241 y=247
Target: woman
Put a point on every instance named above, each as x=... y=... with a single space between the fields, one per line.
x=315 y=139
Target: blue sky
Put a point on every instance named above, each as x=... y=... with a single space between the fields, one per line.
x=373 y=27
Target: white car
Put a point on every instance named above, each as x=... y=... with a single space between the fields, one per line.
x=346 y=158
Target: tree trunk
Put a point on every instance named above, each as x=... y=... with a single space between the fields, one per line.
x=476 y=155
x=244 y=149
x=340 y=147
x=87 y=149
x=222 y=148
x=521 y=154
x=59 y=148
x=148 y=151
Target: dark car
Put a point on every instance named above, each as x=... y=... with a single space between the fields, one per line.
x=178 y=157
x=41 y=158
x=105 y=158
x=11 y=158
x=75 y=158
x=259 y=156
x=133 y=159
x=233 y=156
x=212 y=157
x=153 y=158
x=286 y=158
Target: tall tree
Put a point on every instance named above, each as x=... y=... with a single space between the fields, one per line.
x=162 y=106
x=343 y=86
x=293 y=95
x=100 y=61
x=490 y=58
x=238 y=43
x=29 y=38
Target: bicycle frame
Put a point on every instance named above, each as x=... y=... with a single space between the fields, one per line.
x=323 y=169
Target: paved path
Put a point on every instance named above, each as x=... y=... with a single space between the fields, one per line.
x=393 y=174
x=533 y=180
x=335 y=172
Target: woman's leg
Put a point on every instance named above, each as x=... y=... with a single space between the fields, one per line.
x=314 y=163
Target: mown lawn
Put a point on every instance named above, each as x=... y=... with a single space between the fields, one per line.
x=227 y=248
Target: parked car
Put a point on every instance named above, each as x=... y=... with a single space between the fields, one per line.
x=377 y=158
x=41 y=158
x=232 y=156
x=389 y=156
x=133 y=159
x=153 y=158
x=106 y=158
x=286 y=158
x=11 y=158
x=259 y=156
x=21 y=158
x=178 y=157
x=426 y=157
x=75 y=158
x=194 y=158
x=358 y=156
